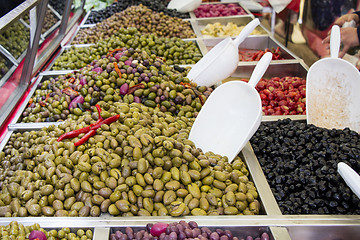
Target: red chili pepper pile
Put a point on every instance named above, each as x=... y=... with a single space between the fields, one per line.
x=89 y=130
x=253 y=55
x=282 y=96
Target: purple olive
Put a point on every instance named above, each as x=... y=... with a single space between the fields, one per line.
x=124 y=89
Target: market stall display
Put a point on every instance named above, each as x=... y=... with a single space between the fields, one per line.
x=109 y=136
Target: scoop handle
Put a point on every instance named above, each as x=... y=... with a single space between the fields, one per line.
x=260 y=69
x=351 y=178
x=246 y=31
x=335 y=41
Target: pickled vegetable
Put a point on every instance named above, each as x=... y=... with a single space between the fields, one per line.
x=230 y=29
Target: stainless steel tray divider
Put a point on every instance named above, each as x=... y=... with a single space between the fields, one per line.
x=271 y=118
x=26 y=101
x=85 y=18
x=55 y=73
x=31 y=126
x=267 y=198
x=50 y=30
x=258 y=42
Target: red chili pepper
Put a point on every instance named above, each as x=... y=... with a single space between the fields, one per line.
x=74 y=133
x=135 y=87
x=258 y=57
x=187 y=85
x=70 y=91
x=99 y=111
x=255 y=56
x=42 y=104
x=106 y=121
x=117 y=70
x=77 y=132
x=201 y=100
x=47 y=97
x=71 y=80
x=115 y=50
x=86 y=137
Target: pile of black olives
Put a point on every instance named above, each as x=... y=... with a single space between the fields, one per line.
x=300 y=164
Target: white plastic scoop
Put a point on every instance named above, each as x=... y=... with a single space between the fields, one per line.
x=332 y=90
x=351 y=178
x=184 y=5
x=221 y=60
x=231 y=115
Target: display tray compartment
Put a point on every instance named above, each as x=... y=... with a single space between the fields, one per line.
x=345 y=217
x=200 y=24
x=256 y=42
x=248 y=13
x=275 y=69
x=239 y=231
x=62 y=50
x=50 y=69
x=87 y=26
x=267 y=202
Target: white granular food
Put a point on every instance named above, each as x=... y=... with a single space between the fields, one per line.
x=329 y=108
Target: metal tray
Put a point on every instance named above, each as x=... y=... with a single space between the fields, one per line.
x=192 y=14
x=280 y=228
x=63 y=49
x=238 y=231
x=53 y=27
x=82 y=26
x=198 y=42
x=256 y=42
x=268 y=204
x=200 y=23
x=275 y=69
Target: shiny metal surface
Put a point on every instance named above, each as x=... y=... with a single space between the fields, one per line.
x=267 y=199
x=200 y=23
x=257 y=42
x=16 y=13
x=192 y=15
x=275 y=69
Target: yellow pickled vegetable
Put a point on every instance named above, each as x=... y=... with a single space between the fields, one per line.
x=230 y=29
